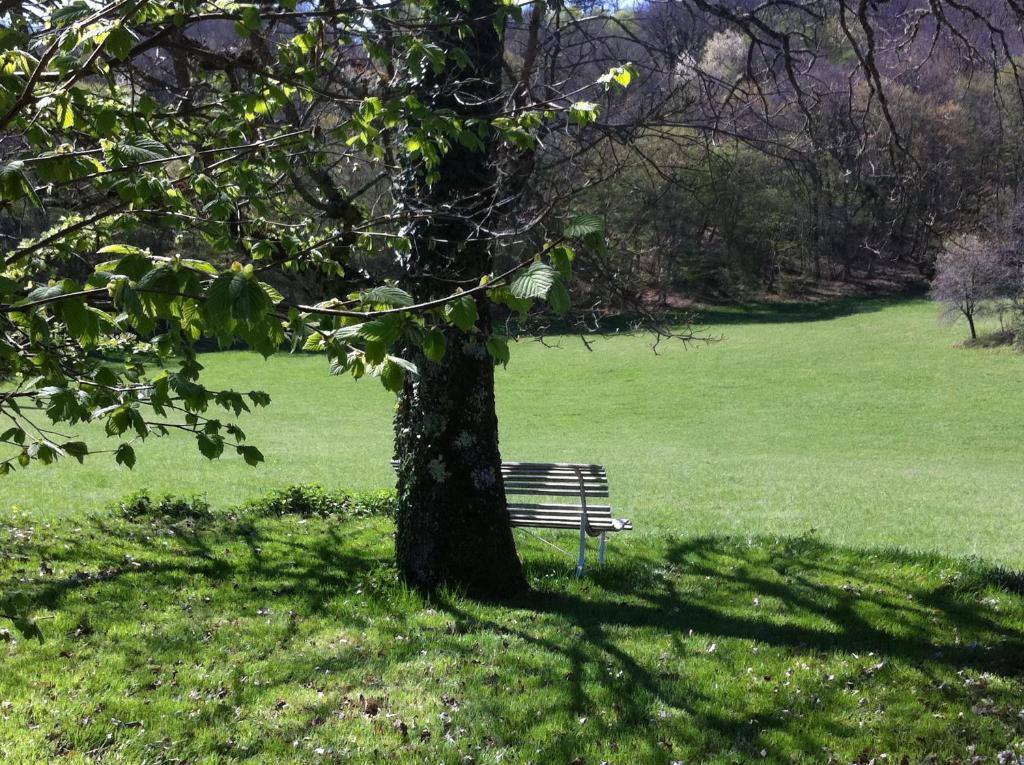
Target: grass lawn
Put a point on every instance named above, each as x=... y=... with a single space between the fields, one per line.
x=723 y=630
x=860 y=419
x=255 y=638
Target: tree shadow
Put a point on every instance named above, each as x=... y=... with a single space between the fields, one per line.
x=794 y=313
x=709 y=317
x=826 y=602
x=829 y=602
x=657 y=647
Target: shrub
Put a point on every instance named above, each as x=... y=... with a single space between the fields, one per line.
x=140 y=505
x=305 y=500
x=995 y=339
x=313 y=500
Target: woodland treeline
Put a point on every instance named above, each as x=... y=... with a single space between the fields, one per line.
x=730 y=167
x=733 y=171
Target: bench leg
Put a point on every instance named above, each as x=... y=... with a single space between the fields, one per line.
x=600 y=554
x=583 y=551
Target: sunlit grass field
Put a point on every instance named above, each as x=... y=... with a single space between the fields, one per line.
x=262 y=639
x=862 y=420
x=805 y=492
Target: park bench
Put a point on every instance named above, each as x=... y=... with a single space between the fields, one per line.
x=526 y=481
x=576 y=485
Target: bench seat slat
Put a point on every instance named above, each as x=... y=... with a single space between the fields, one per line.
x=550 y=492
x=606 y=524
x=530 y=507
x=591 y=509
x=573 y=515
x=554 y=476
x=586 y=470
x=551 y=465
x=573 y=521
x=587 y=487
x=562 y=523
x=566 y=473
x=540 y=468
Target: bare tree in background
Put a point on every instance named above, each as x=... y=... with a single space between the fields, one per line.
x=972 y=276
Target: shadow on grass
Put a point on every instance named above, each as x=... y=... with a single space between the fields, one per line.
x=789 y=313
x=660 y=645
x=713 y=316
x=799 y=598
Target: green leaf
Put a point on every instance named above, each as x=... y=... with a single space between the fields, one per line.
x=534 y=282
x=384 y=330
x=66 y=15
x=117 y=249
x=82 y=323
x=211 y=447
x=619 y=76
x=375 y=351
x=7 y=287
x=15 y=185
x=315 y=342
x=125 y=455
x=504 y=296
x=392 y=374
x=584 y=112
x=76 y=449
x=387 y=296
x=275 y=296
x=65 y=113
x=42 y=293
x=434 y=345
x=259 y=398
x=209 y=268
x=558 y=297
x=137 y=150
x=236 y=295
x=498 y=348
x=119 y=41
x=405 y=364
x=462 y=313
x=250 y=454
x=13 y=435
x=250 y=21
x=105 y=121
x=584 y=225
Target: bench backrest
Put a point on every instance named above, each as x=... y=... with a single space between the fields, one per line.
x=573 y=483
x=558 y=481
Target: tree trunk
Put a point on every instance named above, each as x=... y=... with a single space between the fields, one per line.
x=453 y=526
x=970 y=323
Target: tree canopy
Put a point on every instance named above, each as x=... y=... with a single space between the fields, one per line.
x=174 y=170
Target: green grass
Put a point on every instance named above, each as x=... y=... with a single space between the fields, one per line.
x=722 y=631
x=861 y=419
x=250 y=638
